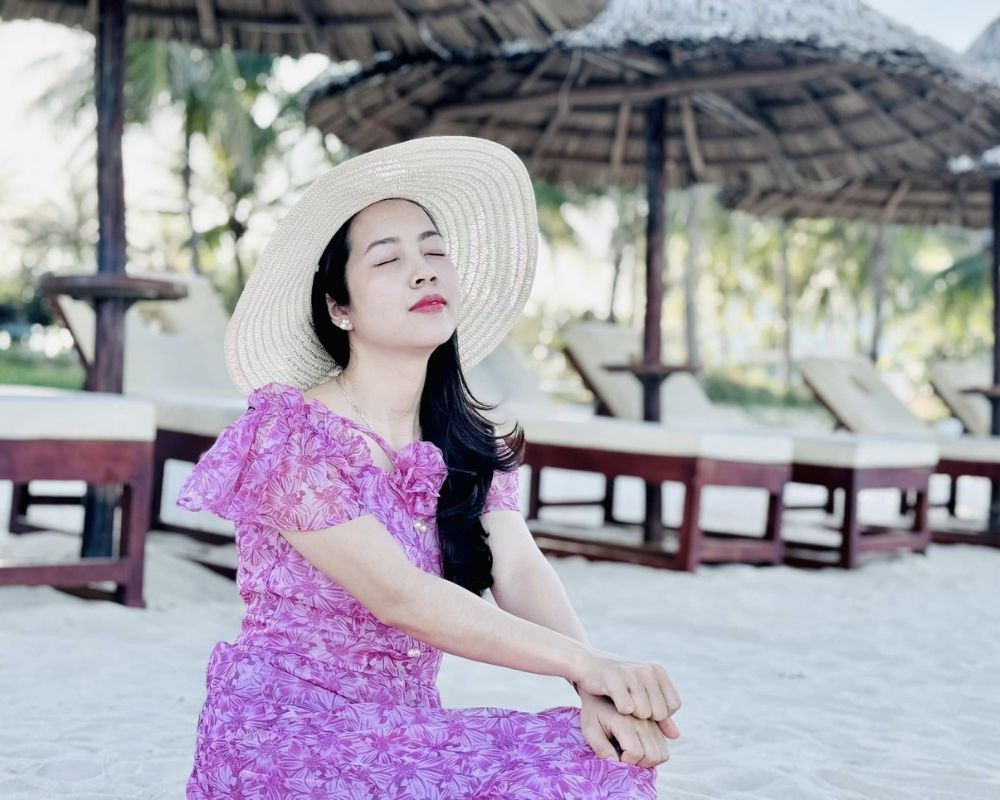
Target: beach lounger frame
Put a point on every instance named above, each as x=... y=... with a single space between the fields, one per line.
x=44 y=435
x=694 y=545
x=836 y=464
x=188 y=422
x=972 y=456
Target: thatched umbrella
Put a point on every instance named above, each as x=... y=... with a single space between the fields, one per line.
x=685 y=91
x=958 y=193
x=964 y=193
x=340 y=29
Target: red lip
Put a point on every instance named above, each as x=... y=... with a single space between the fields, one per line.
x=430 y=301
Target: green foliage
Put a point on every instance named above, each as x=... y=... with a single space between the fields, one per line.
x=17 y=367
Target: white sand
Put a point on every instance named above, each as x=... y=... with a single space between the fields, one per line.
x=881 y=683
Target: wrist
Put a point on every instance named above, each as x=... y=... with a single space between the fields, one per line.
x=578 y=664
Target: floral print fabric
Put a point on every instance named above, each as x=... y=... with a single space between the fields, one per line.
x=316 y=698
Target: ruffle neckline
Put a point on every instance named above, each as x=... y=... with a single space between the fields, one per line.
x=418 y=467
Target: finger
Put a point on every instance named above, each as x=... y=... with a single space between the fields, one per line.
x=669 y=729
x=628 y=741
x=657 y=700
x=620 y=695
x=599 y=742
x=673 y=699
x=642 y=708
x=650 y=738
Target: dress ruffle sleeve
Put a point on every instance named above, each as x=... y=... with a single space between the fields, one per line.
x=282 y=465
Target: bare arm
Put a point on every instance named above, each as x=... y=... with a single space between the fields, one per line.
x=524 y=582
x=363 y=557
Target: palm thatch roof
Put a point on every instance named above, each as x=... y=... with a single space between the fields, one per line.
x=787 y=91
x=958 y=193
x=340 y=29
x=931 y=199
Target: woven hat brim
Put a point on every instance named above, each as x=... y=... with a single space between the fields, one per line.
x=479 y=194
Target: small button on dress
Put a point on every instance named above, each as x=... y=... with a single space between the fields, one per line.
x=308 y=701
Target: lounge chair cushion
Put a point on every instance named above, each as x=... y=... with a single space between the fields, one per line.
x=979 y=449
x=32 y=412
x=856 y=394
x=950 y=379
x=864 y=452
x=203 y=415
x=653 y=438
x=682 y=398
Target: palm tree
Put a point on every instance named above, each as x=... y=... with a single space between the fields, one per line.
x=214 y=91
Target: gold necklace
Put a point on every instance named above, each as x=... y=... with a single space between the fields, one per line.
x=358 y=411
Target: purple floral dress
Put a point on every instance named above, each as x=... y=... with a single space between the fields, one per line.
x=318 y=699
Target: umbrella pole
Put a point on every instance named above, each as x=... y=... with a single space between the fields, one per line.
x=993 y=526
x=109 y=312
x=656 y=194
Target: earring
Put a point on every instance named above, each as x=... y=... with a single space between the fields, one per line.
x=344 y=324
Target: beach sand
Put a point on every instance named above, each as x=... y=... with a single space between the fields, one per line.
x=881 y=683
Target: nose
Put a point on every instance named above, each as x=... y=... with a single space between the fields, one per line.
x=423 y=274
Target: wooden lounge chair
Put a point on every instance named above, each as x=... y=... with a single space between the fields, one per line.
x=174 y=359
x=854 y=392
x=951 y=379
x=844 y=463
x=557 y=437
x=48 y=434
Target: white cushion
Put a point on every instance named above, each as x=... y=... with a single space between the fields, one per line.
x=204 y=415
x=170 y=345
x=951 y=378
x=864 y=452
x=982 y=449
x=653 y=438
x=32 y=412
x=853 y=389
x=682 y=399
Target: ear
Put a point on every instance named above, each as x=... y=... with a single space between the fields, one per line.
x=334 y=309
x=338 y=313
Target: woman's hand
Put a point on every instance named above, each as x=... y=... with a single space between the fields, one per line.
x=636 y=689
x=641 y=742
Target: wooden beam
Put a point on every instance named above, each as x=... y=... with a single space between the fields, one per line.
x=546 y=136
x=690 y=129
x=285 y=22
x=545 y=15
x=887 y=119
x=318 y=43
x=892 y=206
x=208 y=26
x=621 y=137
x=90 y=16
x=668 y=87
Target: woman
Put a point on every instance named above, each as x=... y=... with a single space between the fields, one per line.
x=374 y=504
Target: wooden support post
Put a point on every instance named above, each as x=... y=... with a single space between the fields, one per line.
x=656 y=194
x=109 y=313
x=993 y=525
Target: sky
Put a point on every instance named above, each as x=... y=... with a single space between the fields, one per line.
x=32 y=167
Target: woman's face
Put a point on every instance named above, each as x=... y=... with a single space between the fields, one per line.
x=397 y=261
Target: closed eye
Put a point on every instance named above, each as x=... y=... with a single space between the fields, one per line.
x=437 y=254
x=383 y=263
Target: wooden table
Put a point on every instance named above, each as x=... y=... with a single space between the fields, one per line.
x=651 y=376
x=111 y=294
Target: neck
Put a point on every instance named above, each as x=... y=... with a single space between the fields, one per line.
x=387 y=388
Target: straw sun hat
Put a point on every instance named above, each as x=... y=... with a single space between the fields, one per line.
x=481 y=198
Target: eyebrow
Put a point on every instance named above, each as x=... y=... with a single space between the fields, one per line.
x=395 y=239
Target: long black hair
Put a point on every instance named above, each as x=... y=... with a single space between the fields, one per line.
x=450 y=417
